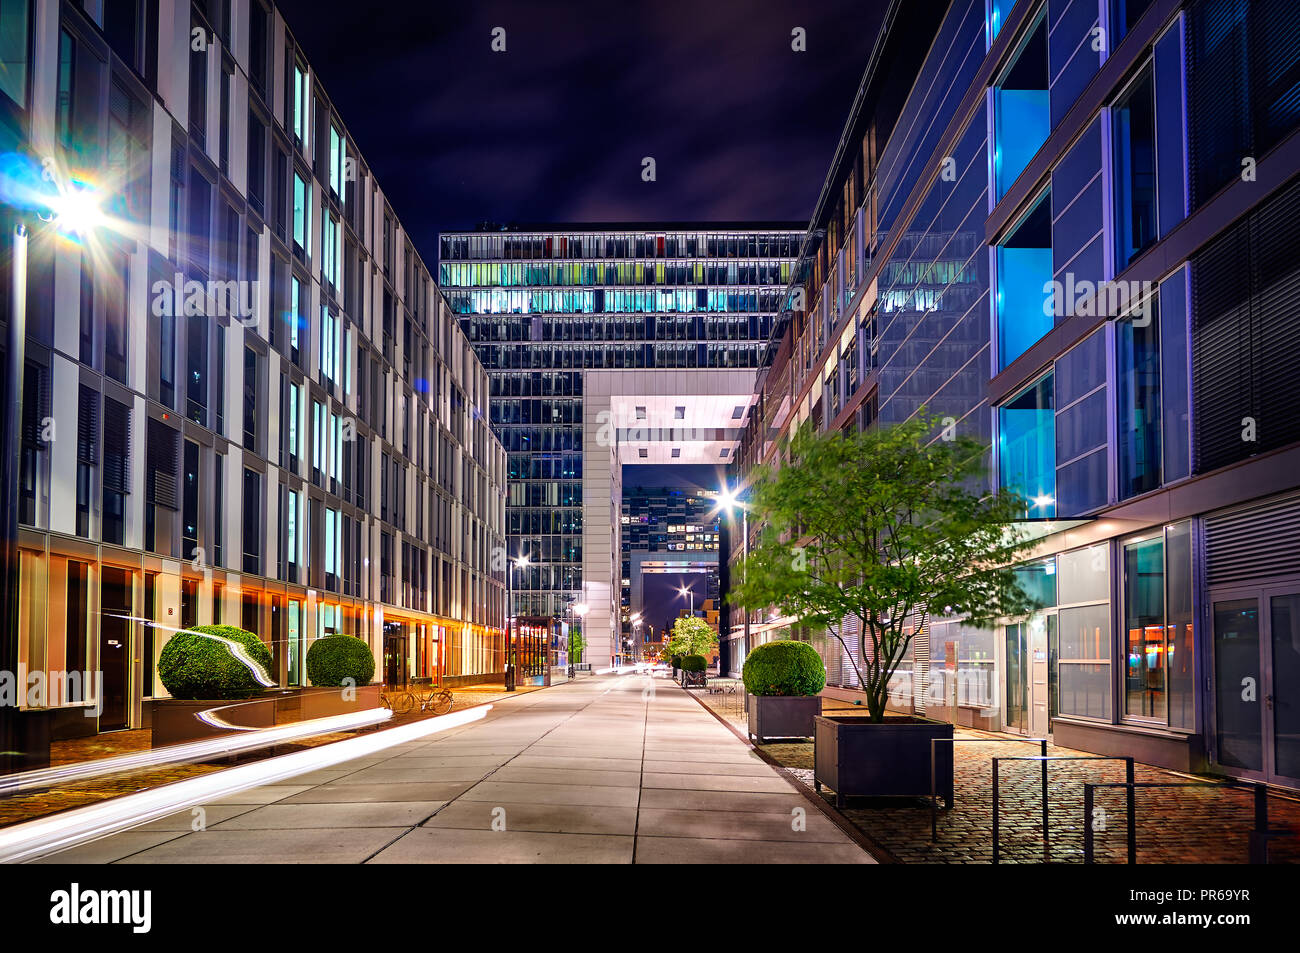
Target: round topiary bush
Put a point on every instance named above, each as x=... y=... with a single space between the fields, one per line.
x=336 y=657
x=215 y=661
x=784 y=668
x=694 y=663
x=676 y=661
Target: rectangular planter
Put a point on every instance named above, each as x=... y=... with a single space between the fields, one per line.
x=855 y=758
x=324 y=702
x=178 y=720
x=782 y=716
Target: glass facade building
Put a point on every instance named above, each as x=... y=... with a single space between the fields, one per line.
x=545 y=305
x=1067 y=228
x=244 y=399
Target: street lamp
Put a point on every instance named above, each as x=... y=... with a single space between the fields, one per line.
x=729 y=500
x=511 y=620
x=685 y=591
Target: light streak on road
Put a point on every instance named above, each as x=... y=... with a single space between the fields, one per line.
x=24 y=842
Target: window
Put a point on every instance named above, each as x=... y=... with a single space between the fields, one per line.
x=1159 y=671
x=161 y=502
x=295 y=317
x=198 y=91
x=1083 y=656
x=1024 y=275
x=1133 y=146
x=258 y=28
x=256 y=162
x=252 y=518
x=13 y=50
x=329 y=250
x=1144 y=618
x=338 y=162
x=300 y=103
x=1027 y=448
x=1021 y=113
x=196 y=376
x=329 y=345
x=301 y=214
x=87 y=455
x=190 y=502
x=250 y=399
x=996 y=14
x=116 y=471
x=1137 y=339
x=1124 y=15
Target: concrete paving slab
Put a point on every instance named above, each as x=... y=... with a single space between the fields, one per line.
x=447 y=846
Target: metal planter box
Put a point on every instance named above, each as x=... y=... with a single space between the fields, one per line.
x=782 y=716
x=856 y=758
x=179 y=720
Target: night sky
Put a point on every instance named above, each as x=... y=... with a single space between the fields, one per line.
x=555 y=129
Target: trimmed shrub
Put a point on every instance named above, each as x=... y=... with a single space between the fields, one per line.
x=201 y=663
x=784 y=668
x=694 y=663
x=675 y=661
x=336 y=657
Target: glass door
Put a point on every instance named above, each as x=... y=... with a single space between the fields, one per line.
x=1283 y=700
x=1016 y=711
x=1257 y=681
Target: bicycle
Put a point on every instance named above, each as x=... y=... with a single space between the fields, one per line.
x=399 y=701
x=438 y=700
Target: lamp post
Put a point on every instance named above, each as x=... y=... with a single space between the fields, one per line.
x=689 y=591
x=729 y=500
x=511 y=620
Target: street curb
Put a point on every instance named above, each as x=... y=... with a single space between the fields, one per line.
x=877 y=851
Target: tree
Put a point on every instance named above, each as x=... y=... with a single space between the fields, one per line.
x=691 y=636
x=884 y=526
x=577 y=644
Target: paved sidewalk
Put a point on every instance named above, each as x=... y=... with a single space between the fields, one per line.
x=610 y=769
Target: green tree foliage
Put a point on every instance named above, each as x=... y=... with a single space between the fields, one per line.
x=692 y=636
x=886 y=527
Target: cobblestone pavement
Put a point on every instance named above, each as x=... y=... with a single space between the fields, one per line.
x=111 y=744
x=1191 y=825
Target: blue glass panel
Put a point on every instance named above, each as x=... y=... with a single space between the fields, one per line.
x=1022 y=318
x=1171 y=160
x=998 y=11
x=1027 y=448
x=1022 y=125
x=1175 y=397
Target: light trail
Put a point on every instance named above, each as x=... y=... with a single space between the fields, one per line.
x=33 y=839
x=191 y=751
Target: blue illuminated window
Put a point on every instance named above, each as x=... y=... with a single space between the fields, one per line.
x=1021 y=111
x=1024 y=265
x=996 y=15
x=1027 y=447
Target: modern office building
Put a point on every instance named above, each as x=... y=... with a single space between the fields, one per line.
x=1072 y=229
x=609 y=345
x=669 y=532
x=243 y=398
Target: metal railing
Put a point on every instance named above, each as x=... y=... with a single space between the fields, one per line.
x=1128 y=776
x=1259 y=837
